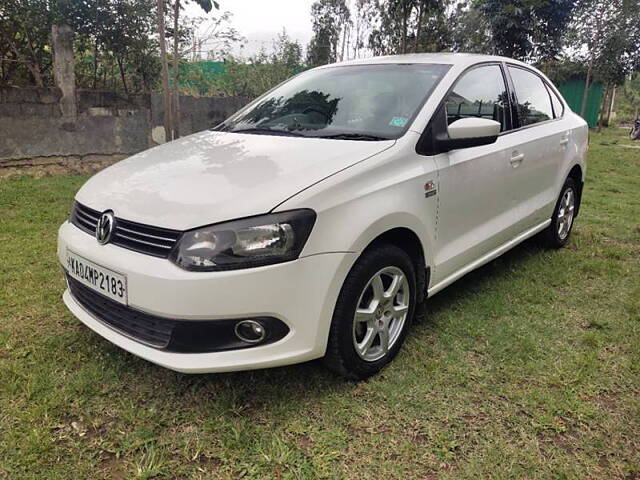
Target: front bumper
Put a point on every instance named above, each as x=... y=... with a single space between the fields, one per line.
x=301 y=293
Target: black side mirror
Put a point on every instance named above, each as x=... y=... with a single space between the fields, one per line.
x=446 y=144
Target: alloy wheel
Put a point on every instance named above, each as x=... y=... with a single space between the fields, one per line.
x=381 y=313
x=565 y=213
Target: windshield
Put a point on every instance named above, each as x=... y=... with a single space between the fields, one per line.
x=364 y=102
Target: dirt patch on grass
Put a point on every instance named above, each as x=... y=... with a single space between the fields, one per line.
x=114 y=468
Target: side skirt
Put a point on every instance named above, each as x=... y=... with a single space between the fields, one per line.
x=488 y=257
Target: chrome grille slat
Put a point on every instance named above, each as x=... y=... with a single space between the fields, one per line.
x=87 y=216
x=143 y=241
x=87 y=211
x=86 y=223
x=147 y=239
x=128 y=230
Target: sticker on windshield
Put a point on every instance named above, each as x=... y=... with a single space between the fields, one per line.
x=398 y=122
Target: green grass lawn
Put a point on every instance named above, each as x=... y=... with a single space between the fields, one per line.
x=528 y=367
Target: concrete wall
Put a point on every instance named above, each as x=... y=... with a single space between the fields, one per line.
x=32 y=124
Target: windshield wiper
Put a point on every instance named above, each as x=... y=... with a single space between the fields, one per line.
x=353 y=136
x=267 y=131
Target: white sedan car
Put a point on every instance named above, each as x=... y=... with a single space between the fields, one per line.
x=312 y=222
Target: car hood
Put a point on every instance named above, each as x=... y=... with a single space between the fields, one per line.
x=210 y=177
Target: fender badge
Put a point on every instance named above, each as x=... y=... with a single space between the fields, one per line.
x=429 y=189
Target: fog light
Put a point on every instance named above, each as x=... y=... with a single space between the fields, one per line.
x=250 y=331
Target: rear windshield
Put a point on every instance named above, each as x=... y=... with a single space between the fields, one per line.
x=367 y=100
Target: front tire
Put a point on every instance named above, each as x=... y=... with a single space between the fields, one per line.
x=557 y=233
x=374 y=310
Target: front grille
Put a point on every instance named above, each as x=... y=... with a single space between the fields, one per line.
x=141 y=238
x=145 y=328
x=85 y=218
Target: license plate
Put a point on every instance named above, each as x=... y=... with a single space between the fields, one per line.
x=101 y=279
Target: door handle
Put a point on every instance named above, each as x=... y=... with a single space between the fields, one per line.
x=516 y=160
x=564 y=141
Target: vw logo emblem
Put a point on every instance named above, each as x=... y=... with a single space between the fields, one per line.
x=105 y=227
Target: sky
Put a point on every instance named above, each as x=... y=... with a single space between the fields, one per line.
x=260 y=21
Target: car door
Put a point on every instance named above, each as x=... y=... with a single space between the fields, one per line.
x=536 y=149
x=475 y=210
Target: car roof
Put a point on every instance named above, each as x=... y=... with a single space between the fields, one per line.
x=458 y=59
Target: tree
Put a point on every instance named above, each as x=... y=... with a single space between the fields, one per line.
x=403 y=26
x=24 y=37
x=112 y=38
x=530 y=30
x=170 y=97
x=609 y=31
x=631 y=92
x=253 y=76
x=365 y=14
x=392 y=24
x=267 y=70
x=123 y=29
x=470 y=30
x=432 y=30
x=217 y=38
x=589 y=23
x=207 y=6
x=330 y=20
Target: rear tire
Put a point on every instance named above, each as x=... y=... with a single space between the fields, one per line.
x=372 y=315
x=556 y=235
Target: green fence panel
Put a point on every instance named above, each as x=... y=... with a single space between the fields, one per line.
x=572 y=92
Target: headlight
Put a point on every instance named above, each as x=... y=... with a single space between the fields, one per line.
x=249 y=242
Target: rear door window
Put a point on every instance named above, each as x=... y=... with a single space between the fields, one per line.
x=558 y=107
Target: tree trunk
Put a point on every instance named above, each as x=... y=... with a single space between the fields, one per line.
x=587 y=81
x=122 y=75
x=32 y=66
x=405 y=22
x=35 y=72
x=603 y=105
x=8 y=68
x=610 y=109
x=356 y=46
x=95 y=65
x=418 y=28
x=165 y=73
x=592 y=54
x=176 y=72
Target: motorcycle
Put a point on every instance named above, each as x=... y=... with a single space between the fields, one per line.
x=634 y=134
